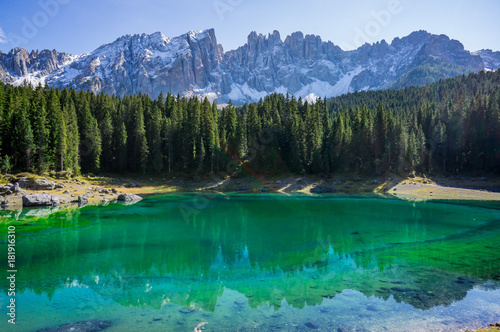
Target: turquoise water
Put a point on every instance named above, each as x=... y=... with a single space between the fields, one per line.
x=259 y=263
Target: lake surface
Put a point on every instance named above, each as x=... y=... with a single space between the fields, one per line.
x=259 y=263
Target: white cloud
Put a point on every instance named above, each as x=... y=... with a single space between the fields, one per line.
x=3 y=37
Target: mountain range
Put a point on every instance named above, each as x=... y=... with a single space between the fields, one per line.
x=195 y=64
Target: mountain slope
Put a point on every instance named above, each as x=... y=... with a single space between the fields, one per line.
x=195 y=64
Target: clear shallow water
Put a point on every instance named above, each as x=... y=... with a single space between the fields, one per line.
x=260 y=263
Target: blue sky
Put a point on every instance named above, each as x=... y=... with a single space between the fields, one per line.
x=78 y=26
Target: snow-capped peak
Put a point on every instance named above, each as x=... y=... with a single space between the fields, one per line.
x=194 y=64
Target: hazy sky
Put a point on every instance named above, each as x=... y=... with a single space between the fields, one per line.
x=78 y=26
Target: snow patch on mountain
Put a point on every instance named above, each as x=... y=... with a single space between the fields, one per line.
x=490 y=59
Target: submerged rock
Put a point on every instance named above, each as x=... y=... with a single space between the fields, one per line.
x=129 y=198
x=40 y=200
x=83 y=326
x=312 y=325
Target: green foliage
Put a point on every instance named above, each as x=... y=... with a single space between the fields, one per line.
x=450 y=126
x=5 y=165
x=428 y=73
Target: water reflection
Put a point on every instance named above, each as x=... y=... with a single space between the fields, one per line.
x=273 y=250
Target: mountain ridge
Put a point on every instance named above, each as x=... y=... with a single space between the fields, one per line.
x=195 y=64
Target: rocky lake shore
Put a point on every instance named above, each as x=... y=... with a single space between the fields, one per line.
x=40 y=191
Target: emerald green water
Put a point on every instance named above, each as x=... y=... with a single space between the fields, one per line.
x=258 y=263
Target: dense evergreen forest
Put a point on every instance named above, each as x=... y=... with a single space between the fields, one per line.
x=449 y=127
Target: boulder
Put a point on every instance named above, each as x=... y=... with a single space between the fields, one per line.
x=104 y=191
x=10 y=188
x=242 y=189
x=114 y=191
x=83 y=200
x=59 y=186
x=265 y=190
x=40 y=184
x=92 y=325
x=15 y=188
x=40 y=200
x=129 y=198
x=322 y=190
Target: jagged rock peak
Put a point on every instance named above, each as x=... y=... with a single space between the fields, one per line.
x=195 y=64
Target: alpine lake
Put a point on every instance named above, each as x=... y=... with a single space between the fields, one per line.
x=257 y=262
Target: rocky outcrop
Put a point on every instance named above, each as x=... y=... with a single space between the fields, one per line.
x=40 y=200
x=39 y=184
x=93 y=325
x=129 y=198
x=10 y=188
x=18 y=65
x=490 y=59
x=146 y=63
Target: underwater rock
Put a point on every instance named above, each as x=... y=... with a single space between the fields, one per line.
x=92 y=325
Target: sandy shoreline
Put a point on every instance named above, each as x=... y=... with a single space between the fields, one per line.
x=413 y=189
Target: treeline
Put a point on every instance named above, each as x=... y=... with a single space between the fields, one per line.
x=452 y=126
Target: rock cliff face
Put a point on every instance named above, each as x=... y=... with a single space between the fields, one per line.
x=18 y=65
x=194 y=64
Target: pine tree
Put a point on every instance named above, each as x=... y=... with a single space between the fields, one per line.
x=24 y=144
x=61 y=145
x=90 y=139
x=140 y=144
x=155 y=146
x=105 y=122
x=121 y=146
x=72 y=161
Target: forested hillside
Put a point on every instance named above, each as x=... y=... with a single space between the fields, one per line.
x=452 y=126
